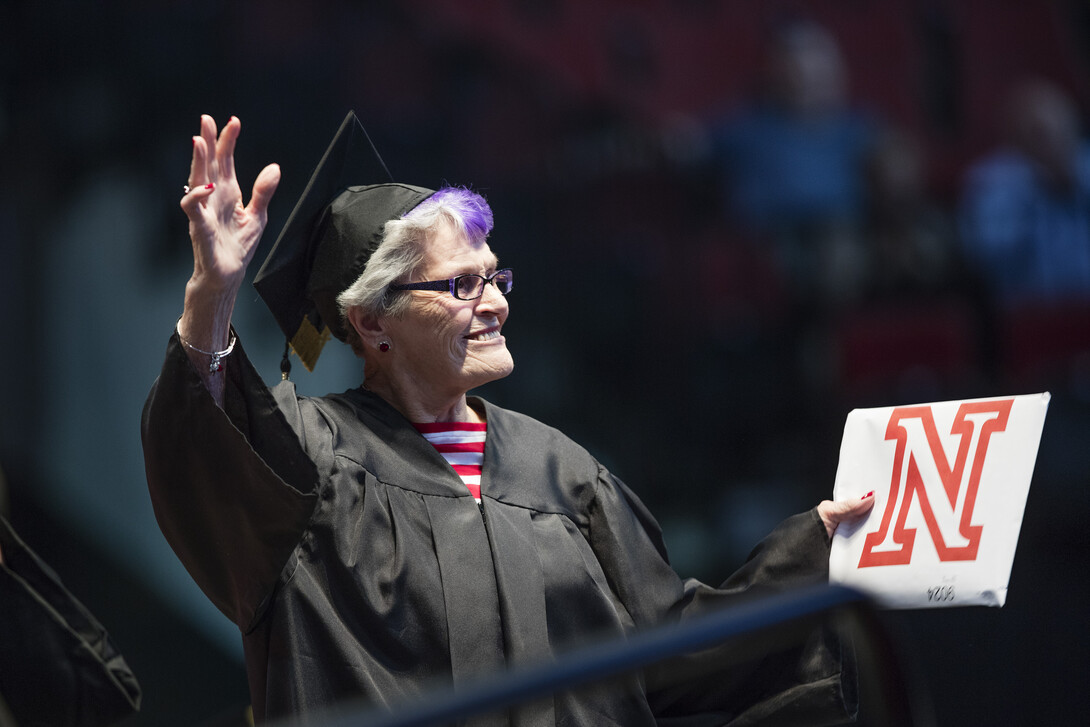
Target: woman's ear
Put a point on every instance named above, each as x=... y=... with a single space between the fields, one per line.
x=368 y=327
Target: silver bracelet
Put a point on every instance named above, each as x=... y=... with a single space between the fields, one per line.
x=217 y=356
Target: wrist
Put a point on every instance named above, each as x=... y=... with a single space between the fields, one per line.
x=215 y=357
x=206 y=317
x=203 y=286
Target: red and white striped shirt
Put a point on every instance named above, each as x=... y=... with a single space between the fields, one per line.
x=462 y=446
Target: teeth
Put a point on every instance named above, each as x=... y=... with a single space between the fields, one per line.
x=486 y=336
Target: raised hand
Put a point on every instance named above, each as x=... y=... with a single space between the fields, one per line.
x=224 y=232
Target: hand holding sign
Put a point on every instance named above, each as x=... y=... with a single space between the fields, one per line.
x=832 y=514
x=950 y=481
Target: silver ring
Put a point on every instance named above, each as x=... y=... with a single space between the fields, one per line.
x=185 y=189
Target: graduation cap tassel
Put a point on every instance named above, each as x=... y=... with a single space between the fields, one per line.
x=285 y=362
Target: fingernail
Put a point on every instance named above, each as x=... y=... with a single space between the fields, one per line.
x=869 y=494
x=212 y=186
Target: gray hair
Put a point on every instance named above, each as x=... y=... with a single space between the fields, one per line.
x=403 y=248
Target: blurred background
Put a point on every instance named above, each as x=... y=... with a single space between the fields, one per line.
x=732 y=221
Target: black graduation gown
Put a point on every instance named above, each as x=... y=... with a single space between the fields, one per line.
x=356 y=564
x=58 y=666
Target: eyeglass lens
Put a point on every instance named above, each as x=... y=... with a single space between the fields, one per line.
x=469 y=287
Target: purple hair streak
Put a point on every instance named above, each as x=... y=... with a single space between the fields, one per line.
x=469 y=210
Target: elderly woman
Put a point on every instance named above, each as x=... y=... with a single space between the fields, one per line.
x=377 y=543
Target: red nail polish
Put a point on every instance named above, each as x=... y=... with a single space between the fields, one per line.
x=869 y=494
x=212 y=186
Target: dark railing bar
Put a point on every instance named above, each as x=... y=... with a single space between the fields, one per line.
x=779 y=616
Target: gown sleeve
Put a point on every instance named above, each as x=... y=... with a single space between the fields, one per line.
x=809 y=683
x=58 y=665
x=232 y=489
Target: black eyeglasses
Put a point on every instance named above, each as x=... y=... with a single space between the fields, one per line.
x=465 y=287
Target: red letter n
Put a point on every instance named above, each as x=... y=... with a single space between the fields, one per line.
x=946 y=495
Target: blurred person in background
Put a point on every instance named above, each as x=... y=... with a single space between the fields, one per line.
x=792 y=162
x=909 y=243
x=403 y=535
x=1025 y=208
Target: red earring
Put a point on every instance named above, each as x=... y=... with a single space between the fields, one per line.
x=384 y=346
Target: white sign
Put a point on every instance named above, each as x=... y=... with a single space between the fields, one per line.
x=950 y=482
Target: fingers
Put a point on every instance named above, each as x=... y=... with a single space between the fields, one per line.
x=264 y=187
x=192 y=199
x=844 y=511
x=855 y=509
x=225 y=147
x=200 y=187
x=205 y=170
x=213 y=167
x=198 y=167
x=208 y=134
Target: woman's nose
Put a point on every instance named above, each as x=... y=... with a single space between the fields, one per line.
x=492 y=297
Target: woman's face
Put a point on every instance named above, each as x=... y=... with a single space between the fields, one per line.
x=449 y=345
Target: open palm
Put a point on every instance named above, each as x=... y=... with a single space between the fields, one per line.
x=224 y=231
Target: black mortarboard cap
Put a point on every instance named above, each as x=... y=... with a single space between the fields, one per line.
x=329 y=237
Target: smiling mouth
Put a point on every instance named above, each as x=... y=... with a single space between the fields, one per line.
x=489 y=335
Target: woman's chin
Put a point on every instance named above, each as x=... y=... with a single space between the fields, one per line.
x=496 y=366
